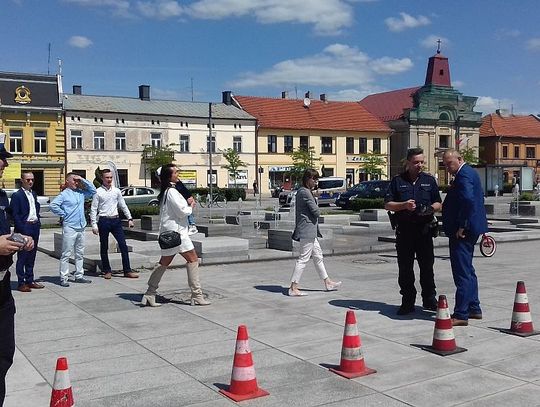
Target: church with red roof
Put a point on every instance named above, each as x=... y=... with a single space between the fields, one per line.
x=434 y=116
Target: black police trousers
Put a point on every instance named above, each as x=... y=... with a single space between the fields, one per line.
x=415 y=240
x=7 y=333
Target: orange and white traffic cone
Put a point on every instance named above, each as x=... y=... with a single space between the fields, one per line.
x=243 y=381
x=444 y=341
x=61 y=395
x=352 y=359
x=521 y=315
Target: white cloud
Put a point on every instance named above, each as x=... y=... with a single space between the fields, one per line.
x=458 y=84
x=488 y=104
x=406 y=21
x=161 y=9
x=533 y=44
x=79 y=41
x=507 y=33
x=328 y=17
x=431 y=41
x=119 y=7
x=338 y=65
x=165 y=94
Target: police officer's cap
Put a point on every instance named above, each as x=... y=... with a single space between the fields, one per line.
x=3 y=152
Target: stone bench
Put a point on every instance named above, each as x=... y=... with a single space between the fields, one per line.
x=91 y=244
x=374 y=214
x=281 y=239
x=524 y=208
x=221 y=247
x=213 y=230
x=150 y=222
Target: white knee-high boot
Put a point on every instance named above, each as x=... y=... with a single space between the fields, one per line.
x=155 y=278
x=197 y=297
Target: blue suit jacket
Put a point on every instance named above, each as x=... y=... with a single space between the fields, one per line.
x=463 y=206
x=20 y=209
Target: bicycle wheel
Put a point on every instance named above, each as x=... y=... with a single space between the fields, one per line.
x=220 y=201
x=488 y=246
x=202 y=200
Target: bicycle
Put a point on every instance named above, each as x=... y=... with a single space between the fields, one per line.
x=215 y=200
x=488 y=245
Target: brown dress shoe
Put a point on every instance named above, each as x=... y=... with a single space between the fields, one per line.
x=35 y=285
x=24 y=288
x=475 y=316
x=131 y=274
x=107 y=276
x=459 y=322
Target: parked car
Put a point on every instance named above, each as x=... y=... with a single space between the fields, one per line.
x=44 y=201
x=329 y=189
x=285 y=196
x=365 y=189
x=140 y=195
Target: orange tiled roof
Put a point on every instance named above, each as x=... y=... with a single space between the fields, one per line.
x=511 y=126
x=390 y=105
x=292 y=114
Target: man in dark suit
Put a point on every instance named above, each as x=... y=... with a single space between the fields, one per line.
x=24 y=208
x=464 y=220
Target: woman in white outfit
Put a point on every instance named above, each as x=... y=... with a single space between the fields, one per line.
x=307 y=232
x=174 y=211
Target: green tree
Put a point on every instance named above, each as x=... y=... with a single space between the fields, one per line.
x=302 y=160
x=469 y=155
x=373 y=164
x=234 y=163
x=154 y=157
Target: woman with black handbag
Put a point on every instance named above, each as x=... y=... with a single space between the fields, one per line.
x=174 y=211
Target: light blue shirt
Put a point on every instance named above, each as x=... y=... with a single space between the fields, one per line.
x=70 y=205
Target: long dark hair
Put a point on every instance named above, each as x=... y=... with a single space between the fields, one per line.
x=310 y=173
x=165 y=179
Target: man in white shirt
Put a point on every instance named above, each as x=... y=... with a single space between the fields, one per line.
x=25 y=212
x=104 y=219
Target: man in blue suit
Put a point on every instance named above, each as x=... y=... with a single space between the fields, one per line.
x=464 y=220
x=25 y=212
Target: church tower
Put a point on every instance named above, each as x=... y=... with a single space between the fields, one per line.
x=438 y=71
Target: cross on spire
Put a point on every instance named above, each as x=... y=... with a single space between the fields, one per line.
x=439 y=46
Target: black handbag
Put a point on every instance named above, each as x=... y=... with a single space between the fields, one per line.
x=169 y=239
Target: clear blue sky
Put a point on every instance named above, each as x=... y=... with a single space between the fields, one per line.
x=344 y=48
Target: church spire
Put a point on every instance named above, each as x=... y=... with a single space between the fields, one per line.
x=438 y=70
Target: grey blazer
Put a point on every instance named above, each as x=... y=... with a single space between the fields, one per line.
x=307 y=216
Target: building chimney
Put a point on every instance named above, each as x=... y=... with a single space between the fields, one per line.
x=502 y=112
x=144 y=92
x=307 y=94
x=77 y=89
x=284 y=95
x=227 y=97
x=323 y=97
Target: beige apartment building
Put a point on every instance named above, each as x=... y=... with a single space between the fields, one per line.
x=100 y=129
x=342 y=134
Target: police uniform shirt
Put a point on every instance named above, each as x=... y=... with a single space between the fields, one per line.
x=424 y=191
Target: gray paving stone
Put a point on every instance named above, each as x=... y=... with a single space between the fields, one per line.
x=525 y=395
x=454 y=389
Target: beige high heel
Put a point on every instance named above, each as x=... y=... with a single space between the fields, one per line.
x=149 y=300
x=332 y=285
x=197 y=297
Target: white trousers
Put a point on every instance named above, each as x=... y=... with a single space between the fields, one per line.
x=72 y=242
x=309 y=248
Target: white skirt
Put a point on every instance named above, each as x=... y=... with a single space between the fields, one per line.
x=185 y=246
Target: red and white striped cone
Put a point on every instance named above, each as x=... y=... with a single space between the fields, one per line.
x=352 y=359
x=444 y=341
x=522 y=324
x=243 y=381
x=61 y=395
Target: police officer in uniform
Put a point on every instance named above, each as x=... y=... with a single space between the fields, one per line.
x=413 y=196
x=7 y=305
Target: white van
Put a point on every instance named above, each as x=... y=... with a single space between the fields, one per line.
x=329 y=189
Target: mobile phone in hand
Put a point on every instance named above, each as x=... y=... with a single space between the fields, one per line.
x=18 y=238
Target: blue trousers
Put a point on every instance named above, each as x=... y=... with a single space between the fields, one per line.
x=26 y=259
x=7 y=332
x=113 y=226
x=461 y=257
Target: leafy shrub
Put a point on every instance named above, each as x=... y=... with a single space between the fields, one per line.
x=527 y=196
x=138 y=210
x=367 y=203
x=230 y=194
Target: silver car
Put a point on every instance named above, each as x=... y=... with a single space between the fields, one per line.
x=140 y=195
